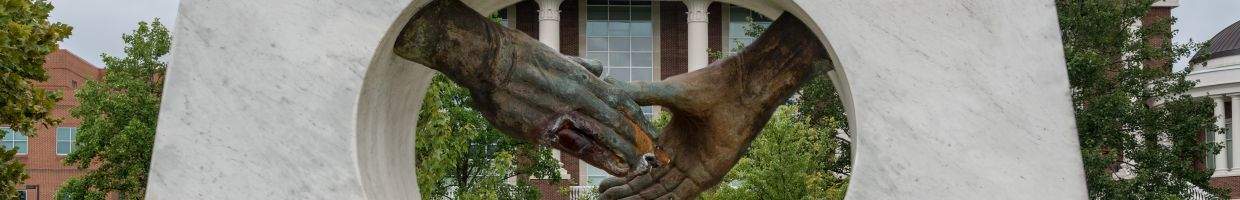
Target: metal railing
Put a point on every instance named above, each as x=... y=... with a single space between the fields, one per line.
x=582 y=193
x=1196 y=193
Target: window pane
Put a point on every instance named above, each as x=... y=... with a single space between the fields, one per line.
x=736 y=30
x=21 y=146
x=746 y=41
x=596 y=13
x=9 y=134
x=596 y=44
x=642 y=44
x=643 y=60
x=63 y=133
x=640 y=28
x=62 y=147
x=618 y=13
x=737 y=13
x=642 y=74
x=620 y=74
x=641 y=13
x=595 y=175
x=618 y=60
x=596 y=28
x=618 y=29
x=600 y=57
x=618 y=44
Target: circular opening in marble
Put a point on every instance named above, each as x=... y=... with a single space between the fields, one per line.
x=394 y=88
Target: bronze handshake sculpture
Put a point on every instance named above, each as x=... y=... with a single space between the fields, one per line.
x=532 y=92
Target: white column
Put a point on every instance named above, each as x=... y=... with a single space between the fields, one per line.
x=1235 y=125
x=549 y=34
x=697 y=31
x=1220 y=159
x=549 y=23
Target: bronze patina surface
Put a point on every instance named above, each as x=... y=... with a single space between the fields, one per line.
x=530 y=91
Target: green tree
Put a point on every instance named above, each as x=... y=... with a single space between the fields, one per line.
x=461 y=156
x=787 y=161
x=119 y=116
x=820 y=105
x=26 y=37
x=1140 y=133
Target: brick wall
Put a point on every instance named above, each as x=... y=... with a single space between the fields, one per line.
x=1232 y=183
x=715 y=27
x=569 y=29
x=1155 y=15
x=66 y=73
x=527 y=18
x=673 y=22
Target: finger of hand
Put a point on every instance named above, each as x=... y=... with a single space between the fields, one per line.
x=617 y=192
x=637 y=185
x=610 y=183
x=594 y=66
x=639 y=117
x=666 y=184
x=613 y=134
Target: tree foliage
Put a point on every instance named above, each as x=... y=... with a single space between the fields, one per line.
x=1140 y=134
x=26 y=37
x=820 y=105
x=789 y=160
x=461 y=156
x=119 y=116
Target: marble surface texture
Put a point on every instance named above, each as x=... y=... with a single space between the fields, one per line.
x=295 y=99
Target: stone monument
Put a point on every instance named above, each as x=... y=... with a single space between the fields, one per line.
x=313 y=100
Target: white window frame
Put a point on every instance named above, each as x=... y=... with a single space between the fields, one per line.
x=5 y=140
x=72 y=137
x=1227 y=134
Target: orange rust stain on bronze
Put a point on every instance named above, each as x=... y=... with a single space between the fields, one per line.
x=645 y=144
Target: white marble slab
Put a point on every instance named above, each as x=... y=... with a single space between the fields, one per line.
x=294 y=99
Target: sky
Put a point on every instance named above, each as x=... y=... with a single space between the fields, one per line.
x=1199 y=20
x=98 y=24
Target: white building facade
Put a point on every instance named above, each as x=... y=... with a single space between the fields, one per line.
x=1218 y=77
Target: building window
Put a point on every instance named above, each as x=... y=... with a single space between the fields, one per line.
x=594 y=175
x=1210 y=158
x=21 y=195
x=13 y=139
x=64 y=140
x=620 y=34
x=738 y=27
x=1231 y=163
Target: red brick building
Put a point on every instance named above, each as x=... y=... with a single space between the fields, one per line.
x=43 y=152
x=635 y=40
